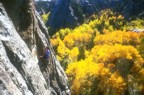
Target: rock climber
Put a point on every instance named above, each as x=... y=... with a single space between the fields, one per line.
x=46 y=55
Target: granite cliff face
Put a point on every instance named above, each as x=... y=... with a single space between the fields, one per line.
x=22 y=38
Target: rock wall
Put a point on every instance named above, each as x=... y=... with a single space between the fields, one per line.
x=22 y=38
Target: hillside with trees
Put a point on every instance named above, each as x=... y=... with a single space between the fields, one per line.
x=71 y=13
x=104 y=56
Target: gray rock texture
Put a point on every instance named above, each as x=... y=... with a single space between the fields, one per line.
x=22 y=38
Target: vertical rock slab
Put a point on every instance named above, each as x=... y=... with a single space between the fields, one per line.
x=21 y=57
x=20 y=45
x=11 y=81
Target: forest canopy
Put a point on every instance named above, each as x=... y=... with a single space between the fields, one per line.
x=104 y=56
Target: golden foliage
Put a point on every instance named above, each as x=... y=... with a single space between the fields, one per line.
x=73 y=54
x=83 y=73
x=110 y=55
x=117 y=83
x=118 y=37
x=62 y=50
x=45 y=17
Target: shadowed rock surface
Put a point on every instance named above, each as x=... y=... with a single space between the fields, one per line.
x=70 y=13
x=61 y=16
x=22 y=38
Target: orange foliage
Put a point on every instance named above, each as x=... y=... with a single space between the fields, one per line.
x=117 y=83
